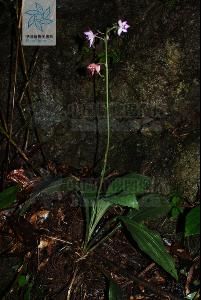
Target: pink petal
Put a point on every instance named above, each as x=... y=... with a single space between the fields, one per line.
x=98 y=68
x=87 y=33
x=120 y=30
x=120 y=23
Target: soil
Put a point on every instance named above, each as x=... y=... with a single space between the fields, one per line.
x=45 y=245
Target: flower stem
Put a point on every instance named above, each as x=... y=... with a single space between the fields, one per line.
x=108 y=117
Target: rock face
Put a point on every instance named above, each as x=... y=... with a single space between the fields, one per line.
x=154 y=88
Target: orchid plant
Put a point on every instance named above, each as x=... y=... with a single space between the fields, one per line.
x=95 y=68
x=127 y=192
x=124 y=191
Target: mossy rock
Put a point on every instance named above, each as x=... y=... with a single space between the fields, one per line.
x=187 y=172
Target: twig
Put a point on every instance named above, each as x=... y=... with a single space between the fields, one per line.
x=59 y=240
x=189 y=279
x=27 y=88
x=3 y=121
x=18 y=149
x=150 y=267
x=28 y=75
x=13 y=93
x=190 y=275
x=28 y=81
x=72 y=283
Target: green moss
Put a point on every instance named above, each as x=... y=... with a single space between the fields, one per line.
x=187 y=171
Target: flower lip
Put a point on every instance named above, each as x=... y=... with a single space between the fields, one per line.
x=90 y=37
x=123 y=27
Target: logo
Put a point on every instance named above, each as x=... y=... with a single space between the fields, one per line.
x=39 y=17
x=39 y=23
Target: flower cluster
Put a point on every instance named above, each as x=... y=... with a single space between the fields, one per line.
x=91 y=37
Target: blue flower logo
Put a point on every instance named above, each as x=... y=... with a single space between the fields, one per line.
x=39 y=17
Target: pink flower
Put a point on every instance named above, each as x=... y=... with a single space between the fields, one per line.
x=90 y=37
x=94 y=68
x=123 y=27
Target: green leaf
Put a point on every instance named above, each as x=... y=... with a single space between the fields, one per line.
x=94 y=209
x=151 y=206
x=177 y=209
x=192 y=226
x=48 y=187
x=88 y=192
x=176 y=212
x=101 y=209
x=151 y=243
x=60 y=185
x=193 y=296
x=130 y=184
x=27 y=295
x=98 y=211
x=115 y=292
x=124 y=200
x=87 y=206
x=176 y=201
x=65 y=185
x=8 y=197
x=22 y=280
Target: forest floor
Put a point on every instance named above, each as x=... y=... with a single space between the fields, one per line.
x=40 y=251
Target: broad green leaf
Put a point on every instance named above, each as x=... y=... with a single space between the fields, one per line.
x=115 y=292
x=151 y=206
x=60 y=185
x=130 y=184
x=124 y=200
x=151 y=243
x=49 y=187
x=8 y=197
x=192 y=226
x=65 y=185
